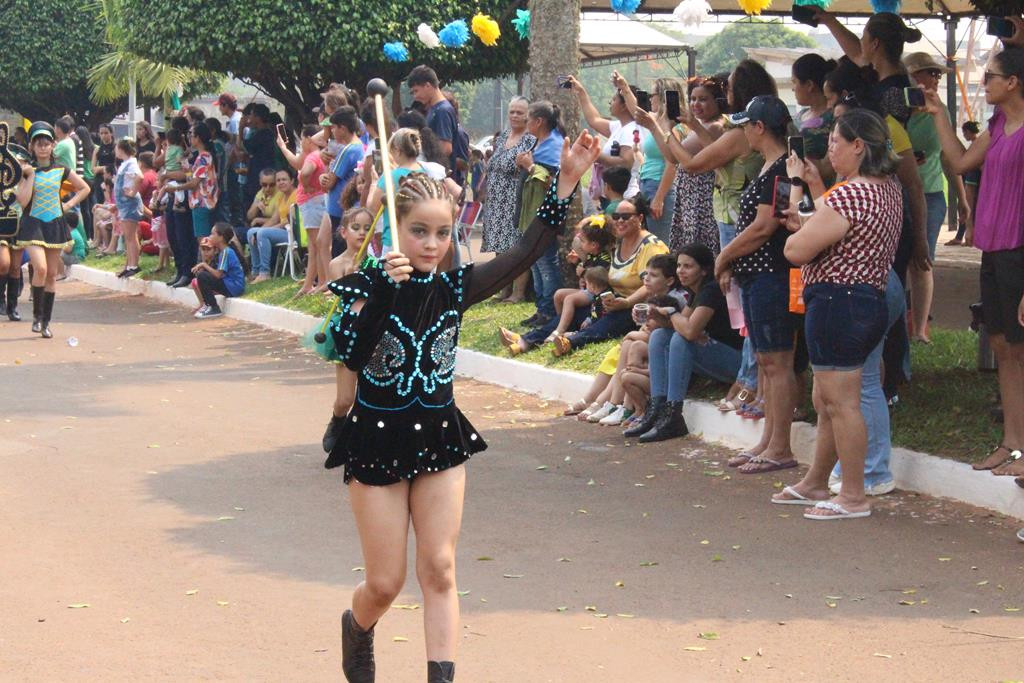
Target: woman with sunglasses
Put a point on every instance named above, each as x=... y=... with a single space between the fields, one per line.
x=999 y=234
x=634 y=247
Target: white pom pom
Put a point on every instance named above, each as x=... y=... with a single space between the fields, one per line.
x=691 y=12
x=427 y=36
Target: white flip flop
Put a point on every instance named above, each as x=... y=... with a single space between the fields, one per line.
x=795 y=498
x=839 y=510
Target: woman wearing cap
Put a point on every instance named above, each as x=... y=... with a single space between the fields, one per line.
x=931 y=166
x=756 y=260
x=42 y=229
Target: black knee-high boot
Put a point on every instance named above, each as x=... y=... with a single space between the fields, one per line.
x=48 y=298
x=38 y=294
x=3 y=295
x=357 y=661
x=440 y=672
x=13 y=289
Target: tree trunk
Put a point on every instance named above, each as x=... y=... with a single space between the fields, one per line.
x=554 y=51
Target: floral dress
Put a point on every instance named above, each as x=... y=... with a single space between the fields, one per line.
x=693 y=219
x=500 y=218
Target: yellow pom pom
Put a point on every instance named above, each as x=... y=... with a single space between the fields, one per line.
x=597 y=220
x=754 y=6
x=486 y=29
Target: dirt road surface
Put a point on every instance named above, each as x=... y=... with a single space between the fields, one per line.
x=166 y=516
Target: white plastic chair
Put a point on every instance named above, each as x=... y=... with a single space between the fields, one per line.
x=291 y=258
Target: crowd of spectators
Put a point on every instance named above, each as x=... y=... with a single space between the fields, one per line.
x=731 y=240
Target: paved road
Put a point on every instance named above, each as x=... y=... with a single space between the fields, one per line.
x=166 y=473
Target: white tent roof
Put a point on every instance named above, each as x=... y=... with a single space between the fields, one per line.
x=910 y=8
x=604 y=39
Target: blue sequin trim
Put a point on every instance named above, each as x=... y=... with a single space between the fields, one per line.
x=553 y=210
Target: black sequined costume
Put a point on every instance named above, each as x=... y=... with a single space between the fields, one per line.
x=402 y=344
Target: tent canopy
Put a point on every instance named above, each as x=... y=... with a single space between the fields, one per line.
x=609 y=41
x=910 y=8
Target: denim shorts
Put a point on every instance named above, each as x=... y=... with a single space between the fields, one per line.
x=770 y=325
x=844 y=323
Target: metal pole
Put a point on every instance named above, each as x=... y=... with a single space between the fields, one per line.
x=691 y=61
x=131 y=106
x=952 y=214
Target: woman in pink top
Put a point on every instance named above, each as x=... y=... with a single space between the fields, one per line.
x=310 y=165
x=999 y=233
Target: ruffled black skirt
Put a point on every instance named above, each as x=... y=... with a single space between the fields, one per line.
x=49 y=234
x=381 y=447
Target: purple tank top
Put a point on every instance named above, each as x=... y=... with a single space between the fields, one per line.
x=999 y=222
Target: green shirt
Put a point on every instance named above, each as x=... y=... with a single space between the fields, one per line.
x=79 y=249
x=730 y=181
x=654 y=162
x=64 y=153
x=928 y=150
x=172 y=159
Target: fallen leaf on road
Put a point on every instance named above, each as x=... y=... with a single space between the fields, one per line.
x=981 y=583
x=564 y=559
x=882 y=655
x=591 y=482
x=225 y=518
x=78 y=605
x=238 y=509
x=648 y=564
x=223 y=603
x=713 y=473
x=561 y=609
x=409 y=607
x=736 y=547
x=716 y=558
x=1011 y=609
x=601 y=615
x=620 y=584
x=153 y=445
x=705 y=542
x=590 y=608
x=708 y=635
x=626 y=616
x=126 y=620
x=400 y=639
x=193 y=591
x=831 y=604
x=694 y=648
x=974 y=611
x=945 y=559
x=513 y=576
x=359 y=569
x=907 y=602
x=462 y=594
x=542 y=467
x=484 y=558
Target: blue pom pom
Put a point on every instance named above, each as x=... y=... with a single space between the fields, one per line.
x=454 y=34
x=890 y=6
x=396 y=52
x=625 y=6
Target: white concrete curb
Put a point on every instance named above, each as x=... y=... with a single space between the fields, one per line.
x=914 y=471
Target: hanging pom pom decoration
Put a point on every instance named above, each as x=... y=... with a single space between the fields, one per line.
x=522 y=23
x=486 y=29
x=427 y=36
x=823 y=4
x=455 y=34
x=625 y=6
x=891 y=6
x=396 y=52
x=691 y=12
x=754 y=6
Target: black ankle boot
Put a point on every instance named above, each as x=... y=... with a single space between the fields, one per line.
x=3 y=295
x=669 y=425
x=37 y=308
x=12 y=299
x=654 y=404
x=440 y=672
x=356 y=651
x=48 y=298
x=332 y=433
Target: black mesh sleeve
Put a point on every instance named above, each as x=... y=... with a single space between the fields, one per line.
x=356 y=334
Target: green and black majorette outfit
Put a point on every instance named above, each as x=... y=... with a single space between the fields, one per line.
x=42 y=221
x=402 y=344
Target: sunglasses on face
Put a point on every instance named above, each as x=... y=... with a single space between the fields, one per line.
x=989 y=75
x=622 y=216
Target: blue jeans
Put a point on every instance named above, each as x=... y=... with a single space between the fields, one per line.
x=262 y=241
x=673 y=360
x=611 y=325
x=726 y=233
x=659 y=226
x=872 y=399
x=935 y=204
x=747 y=374
x=546 y=280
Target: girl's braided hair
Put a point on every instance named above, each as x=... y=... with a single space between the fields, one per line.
x=418 y=187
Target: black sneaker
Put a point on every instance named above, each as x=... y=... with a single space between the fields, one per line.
x=531 y=321
x=357 y=661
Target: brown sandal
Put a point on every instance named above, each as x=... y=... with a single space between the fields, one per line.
x=560 y=346
x=982 y=466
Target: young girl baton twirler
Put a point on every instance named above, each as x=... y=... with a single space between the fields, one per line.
x=404 y=442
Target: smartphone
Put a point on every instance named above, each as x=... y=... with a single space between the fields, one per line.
x=672 y=111
x=615 y=150
x=796 y=145
x=643 y=100
x=780 y=203
x=378 y=162
x=607 y=296
x=805 y=14
x=282 y=132
x=914 y=97
x=563 y=82
x=1000 y=27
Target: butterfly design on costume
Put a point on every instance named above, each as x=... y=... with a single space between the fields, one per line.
x=10 y=176
x=401 y=357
